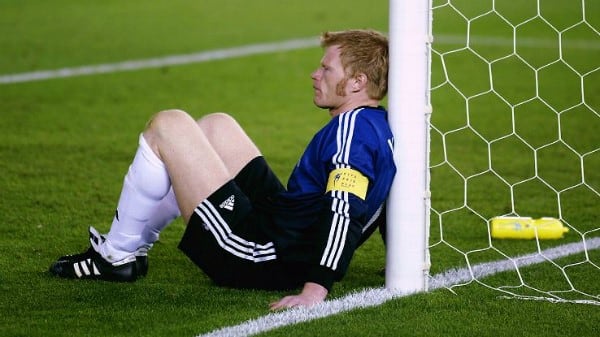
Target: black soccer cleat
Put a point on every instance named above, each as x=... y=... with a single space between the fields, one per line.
x=141 y=261
x=90 y=265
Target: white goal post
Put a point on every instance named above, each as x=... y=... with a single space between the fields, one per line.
x=407 y=257
x=514 y=136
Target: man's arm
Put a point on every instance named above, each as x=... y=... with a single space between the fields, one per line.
x=312 y=293
x=321 y=276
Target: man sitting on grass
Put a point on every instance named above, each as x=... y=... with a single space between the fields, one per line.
x=244 y=228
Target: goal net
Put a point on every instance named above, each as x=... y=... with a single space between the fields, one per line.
x=515 y=131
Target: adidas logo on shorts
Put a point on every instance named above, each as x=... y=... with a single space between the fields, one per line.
x=229 y=203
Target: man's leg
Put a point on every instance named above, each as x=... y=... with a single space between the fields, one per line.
x=241 y=156
x=115 y=256
x=145 y=185
x=235 y=149
x=195 y=167
x=230 y=141
x=166 y=211
x=188 y=160
x=174 y=151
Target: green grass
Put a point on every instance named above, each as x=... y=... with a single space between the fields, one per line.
x=473 y=311
x=65 y=145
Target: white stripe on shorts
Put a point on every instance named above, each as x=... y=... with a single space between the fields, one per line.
x=231 y=242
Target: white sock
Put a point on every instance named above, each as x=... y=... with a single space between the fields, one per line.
x=144 y=187
x=165 y=213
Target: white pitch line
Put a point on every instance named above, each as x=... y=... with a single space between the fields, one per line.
x=377 y=296
x=172 y=60
x=254 y=49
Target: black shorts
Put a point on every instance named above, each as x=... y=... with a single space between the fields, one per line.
x=224 y=236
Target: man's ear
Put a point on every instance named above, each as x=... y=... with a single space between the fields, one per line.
x=359 y=82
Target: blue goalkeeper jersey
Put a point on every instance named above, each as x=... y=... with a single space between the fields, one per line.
x=335 y=193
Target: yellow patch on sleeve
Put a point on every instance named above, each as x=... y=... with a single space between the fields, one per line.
x=348 y=180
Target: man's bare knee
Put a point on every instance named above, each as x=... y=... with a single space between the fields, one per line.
x=165 y=124
x=167 y=118
x=217 y=121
